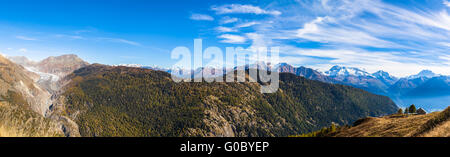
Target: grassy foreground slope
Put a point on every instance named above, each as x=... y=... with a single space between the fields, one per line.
x=17 y=119
x=122 y=101
x=435 y=124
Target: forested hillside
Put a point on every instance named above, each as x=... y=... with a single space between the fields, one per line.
x=121 y=101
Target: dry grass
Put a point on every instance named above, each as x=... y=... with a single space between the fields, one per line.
x=442 y=130
x=389 y=126
x=17 y=121
x=10 y=132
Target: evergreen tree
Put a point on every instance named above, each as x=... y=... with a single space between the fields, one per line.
x=400 y=111
x=406 y=110
x=412 y=109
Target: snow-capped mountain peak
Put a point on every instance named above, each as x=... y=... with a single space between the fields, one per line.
x=129 y=65
x=385 y=77
x=424 y=73
x=382 y=75
x=346 y=71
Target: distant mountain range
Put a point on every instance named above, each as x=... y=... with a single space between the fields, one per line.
x=427 y=89
x=423 y=85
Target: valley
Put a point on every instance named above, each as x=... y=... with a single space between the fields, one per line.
x=98 y=100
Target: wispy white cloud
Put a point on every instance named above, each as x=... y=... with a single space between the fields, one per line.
x=23 y=50
x=247 y=24
x=201 y=17
x=118 y=40
x=368 y=34
x=232 y=39
x=445 y=44
x=243 y=9
x=389 y=23
x=446 y=59
x=235 y=28
x=316 y=31
x=223 y=29
x=86 y=30
x=25 y=38
x=227 y=20
x=392 y=62
x=447 y=3
x=69 y=36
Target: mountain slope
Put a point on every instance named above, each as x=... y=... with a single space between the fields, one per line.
x=304 y=72
x=61 y=65
x=15 y=78
x=404 y=85
x=434 y=87
x=385 y=77
x=337 y=71
x=51 y=69
x=122 y=101
x=17 y=119
x=425 y=74
x=436 y=124
x=358 y=78
x=23 y=103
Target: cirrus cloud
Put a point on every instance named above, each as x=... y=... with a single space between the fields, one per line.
x=25 y=38
x=118 y=40
x=447 y=3
x=243 y=9
x=201 y=17
x=371 y=34
x=227 y=20
x=232 y=39
x=225 y=29
x=23 y=50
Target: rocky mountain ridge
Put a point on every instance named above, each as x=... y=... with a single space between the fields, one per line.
x=428 y=89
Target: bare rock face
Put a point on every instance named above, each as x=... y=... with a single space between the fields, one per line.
x=22 y=60
x=23 y=104
x=231 y=121
x=61 y=65
x=28 y=92
x=49 y=71
x=51 y=68
x=304 y=72
x=15 y=78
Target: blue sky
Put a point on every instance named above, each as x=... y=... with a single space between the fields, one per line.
x=401 y=37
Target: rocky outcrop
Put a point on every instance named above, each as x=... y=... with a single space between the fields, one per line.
x=61 y=65
x=27 y=96
x=17 y=79
x=231 y=121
